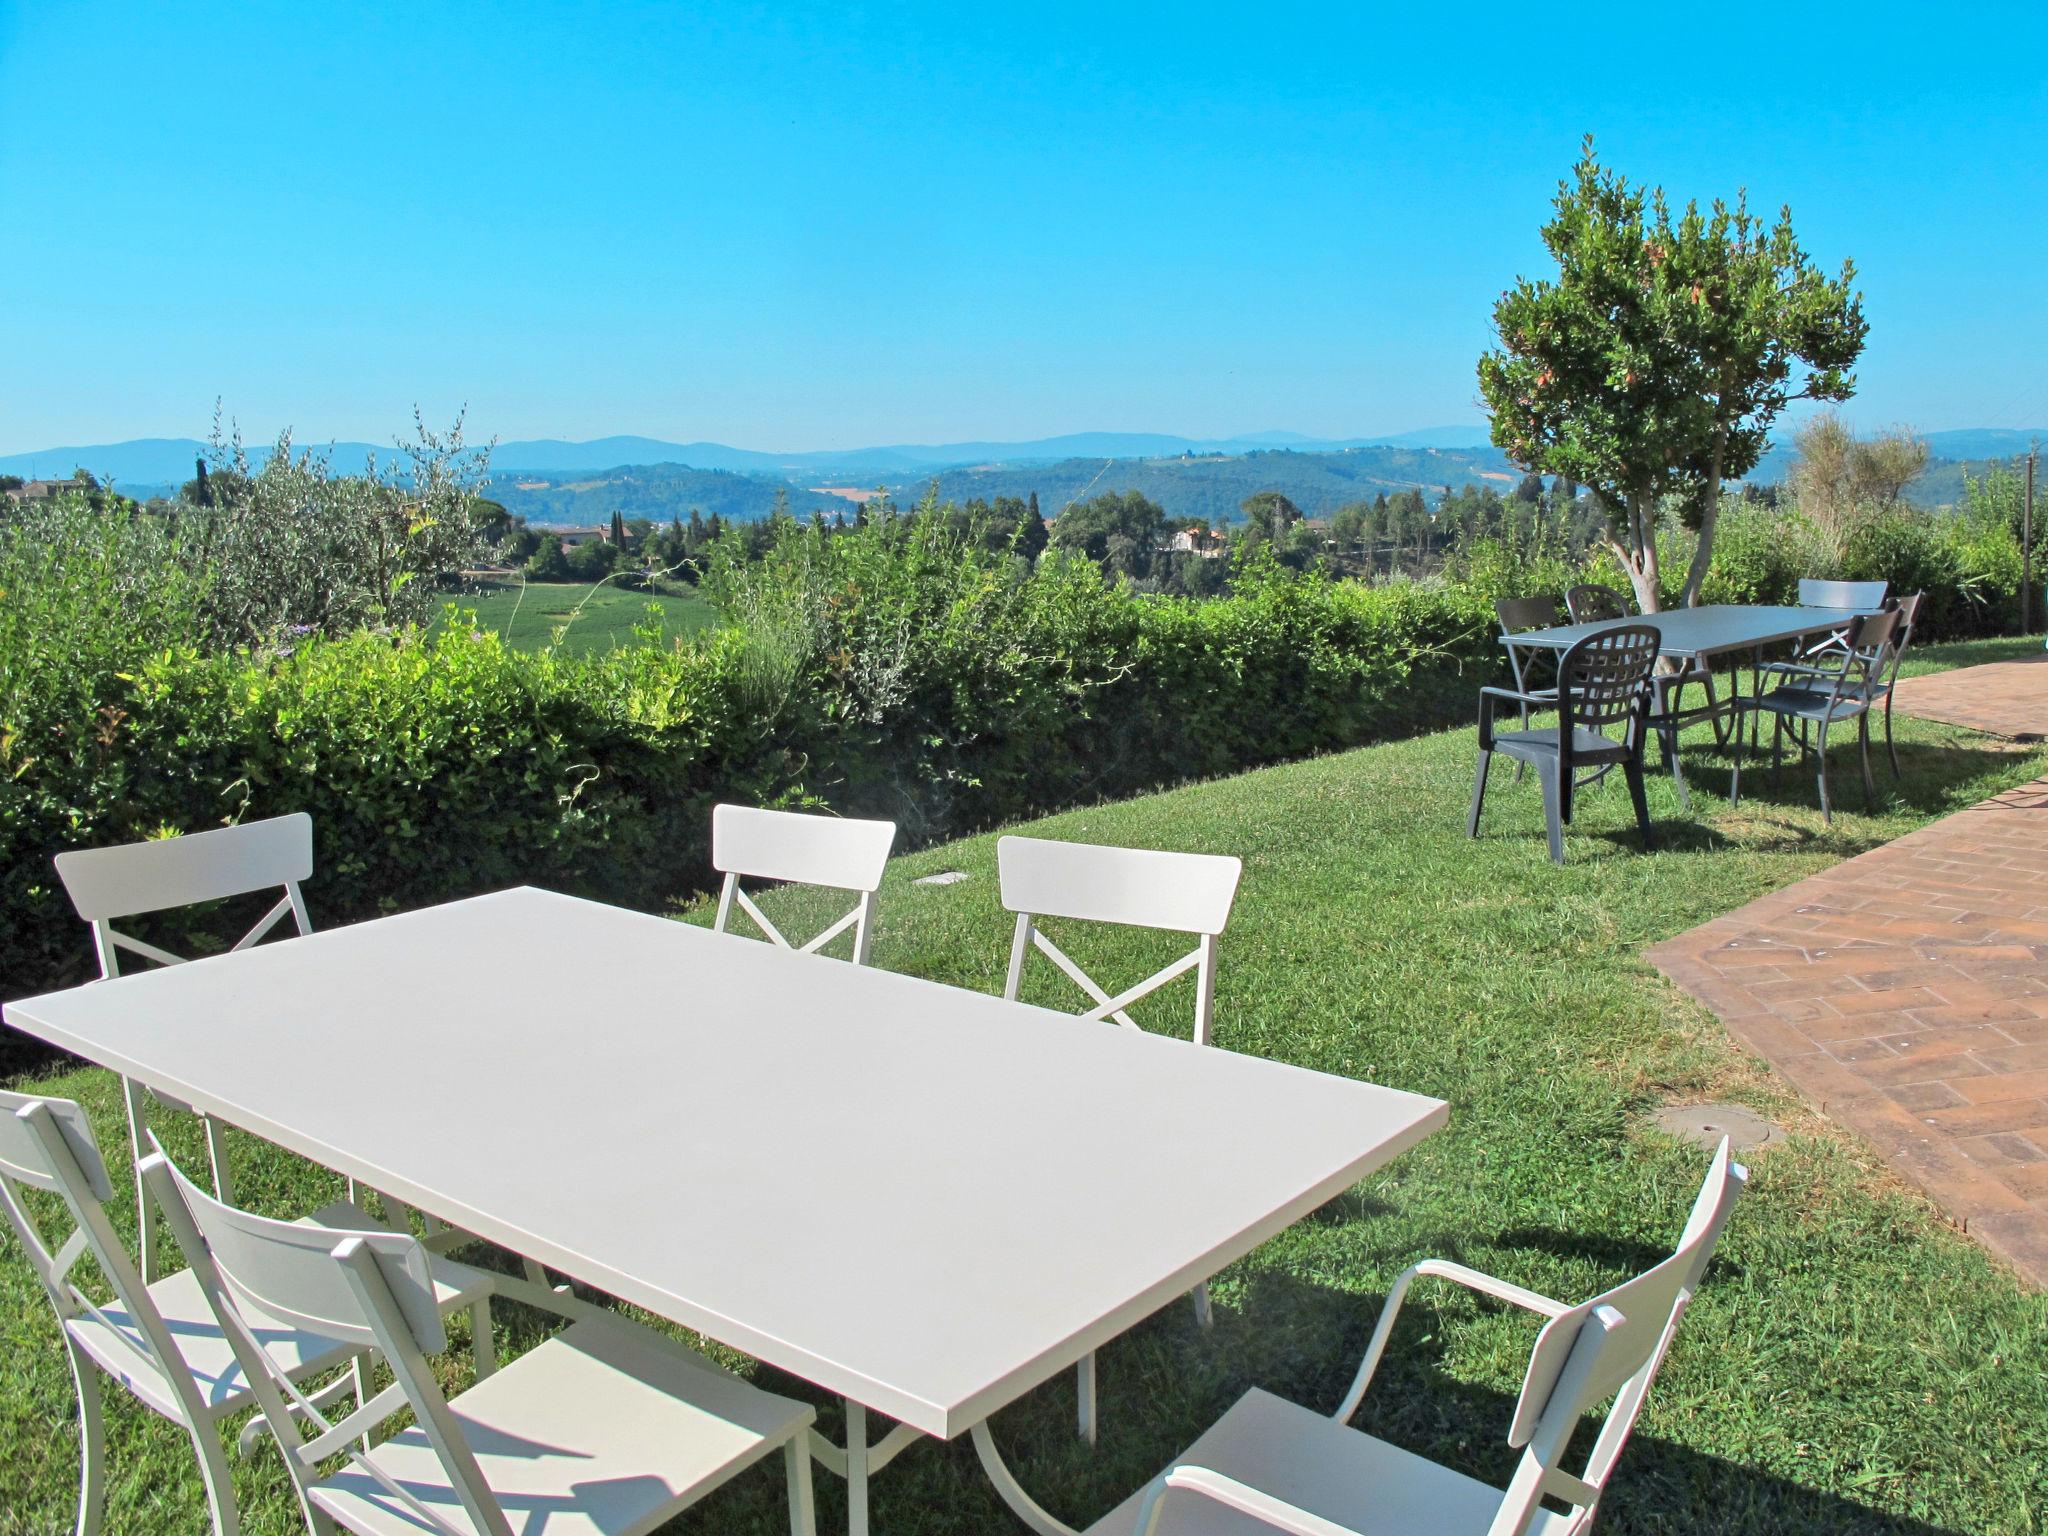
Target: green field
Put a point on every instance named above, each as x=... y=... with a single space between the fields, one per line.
x=1854 y=1365
x=590 y=618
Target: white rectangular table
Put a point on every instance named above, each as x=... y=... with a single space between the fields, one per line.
x=925 y=1200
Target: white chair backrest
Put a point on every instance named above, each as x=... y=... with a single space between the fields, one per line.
x=368 y=1288
x=287 y=1269
x=1135 y=887
x=106 y=884
x=25 y=1154
x=831 y=851
x=1814 y=592
x=1610 y=1346
x=47 y=1144
x=1139 y=887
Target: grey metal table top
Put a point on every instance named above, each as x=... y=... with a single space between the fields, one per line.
x=1706 y=631
x=924 y=1199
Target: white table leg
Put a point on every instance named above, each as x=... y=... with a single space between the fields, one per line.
x=856 y=1469
x=1084 y=1392
x=1010 y=1491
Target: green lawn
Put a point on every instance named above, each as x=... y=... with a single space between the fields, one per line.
x=590 y=618
x=1852 y=1365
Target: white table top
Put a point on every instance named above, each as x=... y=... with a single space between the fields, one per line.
x=1709 y=630
x=921 y=1198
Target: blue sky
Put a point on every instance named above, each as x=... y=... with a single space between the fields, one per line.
x=809 y=227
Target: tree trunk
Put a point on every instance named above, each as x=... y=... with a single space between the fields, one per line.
x=1642 y=562
x=1703 y=553
x=1710 y=512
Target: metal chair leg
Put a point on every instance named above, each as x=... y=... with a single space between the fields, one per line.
x=1547 y=775
x=1633 y=771
x=1863 y=756
x=1670 y=741
x=1889 y=745
x=1478 y=795
x=1827 y=812
x=92 y=1444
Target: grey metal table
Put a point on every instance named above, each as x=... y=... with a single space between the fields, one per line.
x=1699 y=635
x=925 y=1200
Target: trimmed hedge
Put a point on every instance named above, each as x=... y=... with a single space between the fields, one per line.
x=444 y=764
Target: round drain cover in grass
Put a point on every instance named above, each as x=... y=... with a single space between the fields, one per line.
x=1708 y=1123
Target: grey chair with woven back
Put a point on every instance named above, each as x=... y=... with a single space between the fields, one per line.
x=1591 y=603
x=1603 y=681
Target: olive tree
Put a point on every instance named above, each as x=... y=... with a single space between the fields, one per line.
x=289 y=544
x=1651 y=368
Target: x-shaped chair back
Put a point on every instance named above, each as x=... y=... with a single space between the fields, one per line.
x=1138 y=887
x=786 y=846
x=108 y=885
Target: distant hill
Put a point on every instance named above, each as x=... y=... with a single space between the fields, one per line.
x=553 y=480
x=656 y=491
x=168 y=461
x=1214 y=486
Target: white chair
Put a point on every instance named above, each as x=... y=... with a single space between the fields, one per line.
x=1138 y=888
x=1269 y=1465
x=831 y=851
x=160 y=1341
x=607 y=1429
x=1818 y=592
x=107 y=885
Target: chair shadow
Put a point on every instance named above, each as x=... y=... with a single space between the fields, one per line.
x=1627 y=1255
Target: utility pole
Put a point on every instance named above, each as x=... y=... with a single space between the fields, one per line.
x=2027 y=545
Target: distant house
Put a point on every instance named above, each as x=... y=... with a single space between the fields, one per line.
x=1196 y=541
x=41 y=490
x=571 y=537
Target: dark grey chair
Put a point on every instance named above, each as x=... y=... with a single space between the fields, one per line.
x=1603 y=680
x=1589 y=602
x=1518 y=615
x=1909 y=615
x=1817 y=592
x=1828 y=693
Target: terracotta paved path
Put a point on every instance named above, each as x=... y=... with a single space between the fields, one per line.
x=2005 y=698
x=1906 y=991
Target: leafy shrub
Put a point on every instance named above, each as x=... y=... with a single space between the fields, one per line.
x=914 y=669
x=293 y=546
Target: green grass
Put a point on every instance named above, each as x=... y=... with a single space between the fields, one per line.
x=589 y=618
x=1852 y=1365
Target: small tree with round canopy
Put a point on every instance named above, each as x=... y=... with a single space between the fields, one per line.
x=1652 y=367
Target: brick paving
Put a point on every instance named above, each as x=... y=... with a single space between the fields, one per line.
x=1906 y=992
x=2004 y=698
